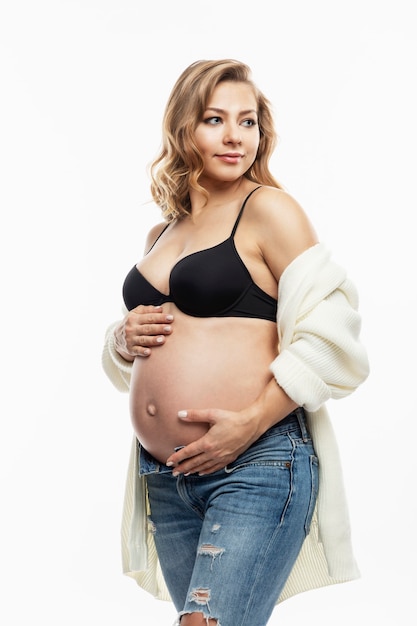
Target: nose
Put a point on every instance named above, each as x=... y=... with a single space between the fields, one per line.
x=232 y=134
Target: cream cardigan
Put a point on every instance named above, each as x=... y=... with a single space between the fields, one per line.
x=320 y=357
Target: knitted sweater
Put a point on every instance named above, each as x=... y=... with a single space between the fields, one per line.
x=320 y=357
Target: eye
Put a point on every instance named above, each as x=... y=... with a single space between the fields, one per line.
x=249 y=123
x=213 y=120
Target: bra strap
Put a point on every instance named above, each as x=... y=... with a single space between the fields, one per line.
x=241 y=211
x=160 y=235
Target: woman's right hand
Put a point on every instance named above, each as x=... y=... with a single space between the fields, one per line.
x=141 y=329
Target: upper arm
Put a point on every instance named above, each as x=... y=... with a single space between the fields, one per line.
x=283 y=228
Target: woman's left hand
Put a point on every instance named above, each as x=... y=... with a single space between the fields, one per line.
x=230 y=434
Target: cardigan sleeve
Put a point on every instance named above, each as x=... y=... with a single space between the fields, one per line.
x=117 y=369
x=321 y=355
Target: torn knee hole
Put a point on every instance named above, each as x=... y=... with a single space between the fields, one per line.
x=200 y=595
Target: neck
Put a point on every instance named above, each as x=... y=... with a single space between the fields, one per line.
x=220 y=193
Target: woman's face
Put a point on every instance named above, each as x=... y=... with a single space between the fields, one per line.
x=228 y=134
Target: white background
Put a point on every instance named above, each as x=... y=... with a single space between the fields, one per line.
x=83 y=86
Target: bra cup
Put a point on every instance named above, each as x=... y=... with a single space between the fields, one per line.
x=210 y=282
x=138 y=290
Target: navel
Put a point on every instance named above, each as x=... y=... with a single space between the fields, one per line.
x=151 y=409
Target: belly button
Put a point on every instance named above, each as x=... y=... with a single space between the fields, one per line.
x=151 y=409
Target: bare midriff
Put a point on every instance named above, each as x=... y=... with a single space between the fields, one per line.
x=206 y=363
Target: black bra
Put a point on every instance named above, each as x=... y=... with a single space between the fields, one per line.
x=210 y=283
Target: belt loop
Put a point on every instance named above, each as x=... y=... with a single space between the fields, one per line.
x=302 y=423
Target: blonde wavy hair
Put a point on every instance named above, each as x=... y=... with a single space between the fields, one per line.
x=179 y=164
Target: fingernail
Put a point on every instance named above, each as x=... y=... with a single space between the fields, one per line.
x=169 y=464
x=182 y=413
x=169 y=318
x=146 y=352
x=159 y=339
x=167 y=329
x=175 y=474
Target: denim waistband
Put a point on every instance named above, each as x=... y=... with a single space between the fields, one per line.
x=294 y=420
x=149 y=465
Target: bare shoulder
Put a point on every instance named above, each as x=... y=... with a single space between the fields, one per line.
x=270 y=205
x=282 y=225
x=153 y=234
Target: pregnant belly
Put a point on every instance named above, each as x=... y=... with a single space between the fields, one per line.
x=192 y=372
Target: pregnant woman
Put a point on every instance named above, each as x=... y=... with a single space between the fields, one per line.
x=230 y=504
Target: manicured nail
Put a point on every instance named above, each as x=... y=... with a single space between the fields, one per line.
x=169 y=464
x=159 y=339
x=182 y=413
x=169 y=318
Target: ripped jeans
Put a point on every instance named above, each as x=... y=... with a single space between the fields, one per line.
x=227 y=541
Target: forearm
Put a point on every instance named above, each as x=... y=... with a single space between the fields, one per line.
x=271 y=406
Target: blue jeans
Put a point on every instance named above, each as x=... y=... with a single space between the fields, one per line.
x=227 y=541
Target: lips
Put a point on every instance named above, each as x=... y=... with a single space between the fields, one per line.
x=230 y=157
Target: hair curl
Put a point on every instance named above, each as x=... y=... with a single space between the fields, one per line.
x=179 y=164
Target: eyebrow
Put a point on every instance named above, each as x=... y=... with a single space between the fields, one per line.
x=246 y=112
